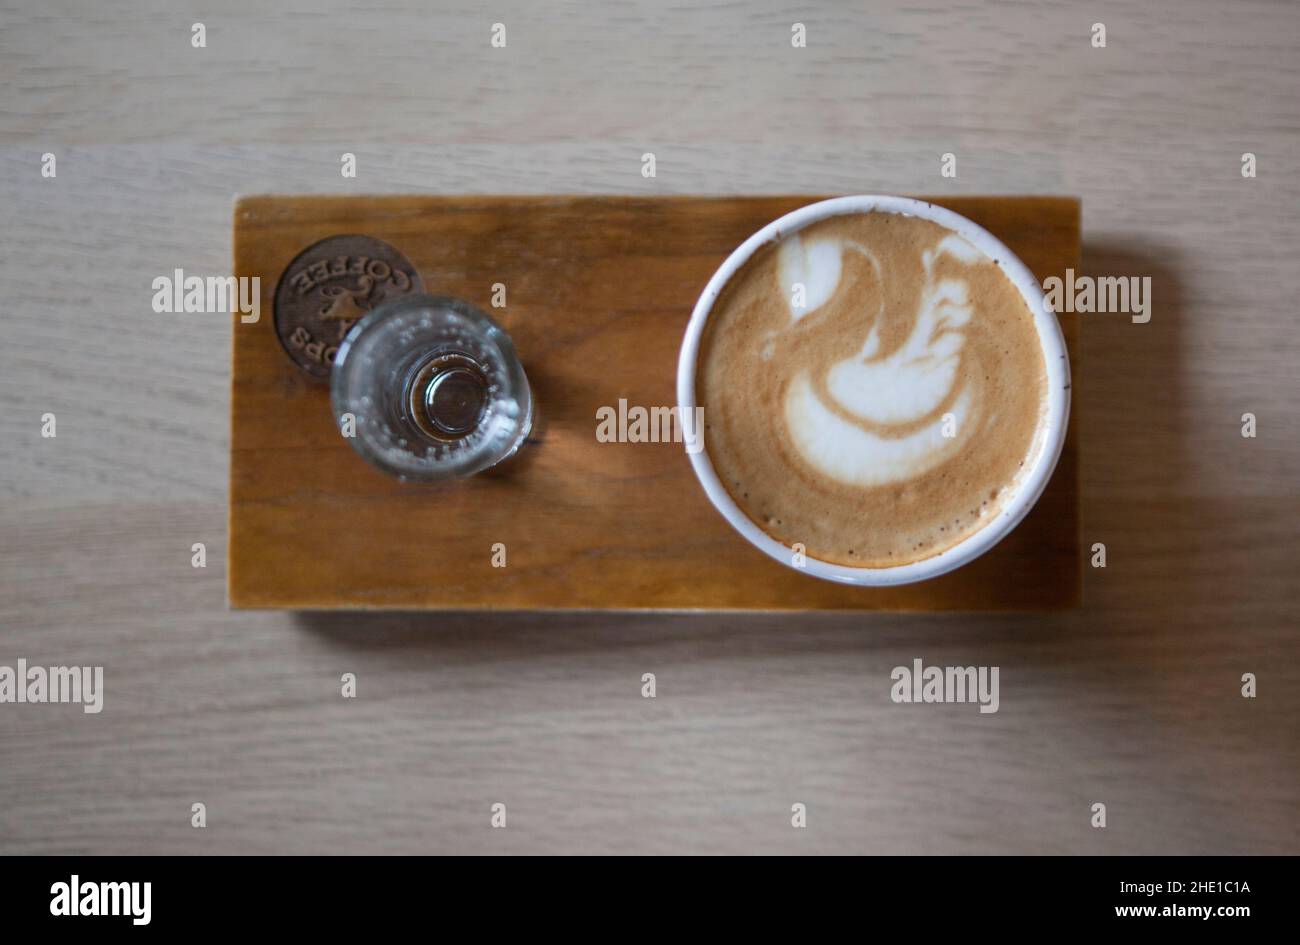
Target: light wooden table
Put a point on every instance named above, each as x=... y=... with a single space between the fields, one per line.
x=1133 y=701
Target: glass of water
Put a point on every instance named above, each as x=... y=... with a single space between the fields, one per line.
x=429 y=388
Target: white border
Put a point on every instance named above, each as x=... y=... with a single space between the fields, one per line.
x=1052 y=432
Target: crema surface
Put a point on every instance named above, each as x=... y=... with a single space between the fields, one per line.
x=873 y=389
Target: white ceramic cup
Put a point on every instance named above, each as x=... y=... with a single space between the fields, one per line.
x=1051 y=432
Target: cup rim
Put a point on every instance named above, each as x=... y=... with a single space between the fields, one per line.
x=1052 y=433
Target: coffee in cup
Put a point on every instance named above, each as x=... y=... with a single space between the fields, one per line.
x=874 y=386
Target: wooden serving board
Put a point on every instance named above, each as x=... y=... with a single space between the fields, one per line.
x=599 y=290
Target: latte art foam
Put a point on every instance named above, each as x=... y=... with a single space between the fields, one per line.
x=872 y=387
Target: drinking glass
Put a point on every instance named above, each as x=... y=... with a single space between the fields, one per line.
x=429 y=388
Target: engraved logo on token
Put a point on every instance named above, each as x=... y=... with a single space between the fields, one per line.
x=328 y=287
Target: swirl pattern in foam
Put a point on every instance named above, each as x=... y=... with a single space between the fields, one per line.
x=872 y=385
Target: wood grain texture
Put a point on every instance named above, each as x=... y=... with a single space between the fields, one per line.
x=599 y=293
x=1132 y=699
